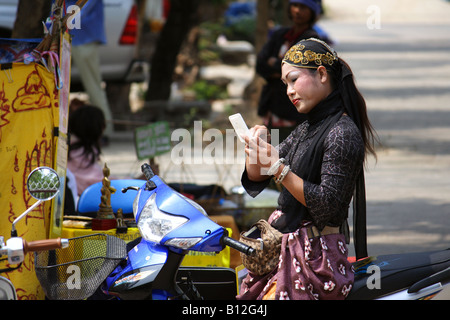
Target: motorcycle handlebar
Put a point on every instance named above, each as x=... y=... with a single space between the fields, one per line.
x=147 y=171
x=240 y=246
x=44 y=245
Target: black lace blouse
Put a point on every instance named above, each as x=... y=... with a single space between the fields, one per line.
x=328 y=202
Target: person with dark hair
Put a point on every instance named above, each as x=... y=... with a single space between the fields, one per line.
x=274 y=106
x=320 y=166
x=86 y=126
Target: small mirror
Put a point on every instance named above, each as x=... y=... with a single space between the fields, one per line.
x=43 y=183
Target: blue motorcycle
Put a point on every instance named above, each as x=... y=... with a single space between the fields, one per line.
x=170 y=224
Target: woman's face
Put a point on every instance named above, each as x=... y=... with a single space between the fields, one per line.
x=304 y=87
x=300 y=14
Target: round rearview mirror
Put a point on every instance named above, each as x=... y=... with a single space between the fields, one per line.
x=43 y=183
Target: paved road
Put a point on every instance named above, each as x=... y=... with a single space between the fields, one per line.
x=403 y=70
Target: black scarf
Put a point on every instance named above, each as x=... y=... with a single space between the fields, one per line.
x=329 y=110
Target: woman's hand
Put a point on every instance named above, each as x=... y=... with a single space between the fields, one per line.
x=261 y=154
x=260 y=131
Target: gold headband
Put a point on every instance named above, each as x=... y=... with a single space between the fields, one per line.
x=298 y=56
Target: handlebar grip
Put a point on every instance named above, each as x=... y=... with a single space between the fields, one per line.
x=44 y=245
x=239 y=246
x=147 y=171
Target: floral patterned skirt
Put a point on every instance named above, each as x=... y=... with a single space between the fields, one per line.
x=309 y=269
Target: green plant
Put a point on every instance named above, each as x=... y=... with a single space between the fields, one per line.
x=207 y=91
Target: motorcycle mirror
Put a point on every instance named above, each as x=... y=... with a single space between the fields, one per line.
x=43 y=183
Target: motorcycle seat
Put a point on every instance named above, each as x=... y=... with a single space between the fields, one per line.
x=396 y=272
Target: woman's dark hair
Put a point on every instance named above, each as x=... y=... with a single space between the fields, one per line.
x=351 y=95
x=87 y=123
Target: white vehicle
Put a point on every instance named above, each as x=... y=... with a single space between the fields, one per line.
x=117 y=57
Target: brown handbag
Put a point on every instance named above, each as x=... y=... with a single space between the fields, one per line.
x=266 y=240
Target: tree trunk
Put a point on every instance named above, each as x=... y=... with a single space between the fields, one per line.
x=182 y=17
x=253 y=90
x=29 y=18
x=262 y=17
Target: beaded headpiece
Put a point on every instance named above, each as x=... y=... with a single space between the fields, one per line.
x=311 y=53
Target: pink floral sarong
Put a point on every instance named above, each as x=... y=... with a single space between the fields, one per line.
x=309 y=269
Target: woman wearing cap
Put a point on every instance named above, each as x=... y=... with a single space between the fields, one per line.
x=274 y=106
x=320 y=166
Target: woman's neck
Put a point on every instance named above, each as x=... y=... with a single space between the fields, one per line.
x=330 y=105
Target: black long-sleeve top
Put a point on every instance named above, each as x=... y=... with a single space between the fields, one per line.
x=327 y=202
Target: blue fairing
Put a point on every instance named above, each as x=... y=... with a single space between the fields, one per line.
x=145 y=258
x=146 y=253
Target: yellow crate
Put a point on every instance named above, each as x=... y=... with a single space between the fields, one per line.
x=208 y=259
x=132 y=233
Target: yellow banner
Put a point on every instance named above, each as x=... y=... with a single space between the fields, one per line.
x=29 y=114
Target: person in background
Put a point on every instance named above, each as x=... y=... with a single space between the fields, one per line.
x=85 y=54
x=274 y=106
x=86 y=126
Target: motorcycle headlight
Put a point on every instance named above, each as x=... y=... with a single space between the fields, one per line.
x=154 y=224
